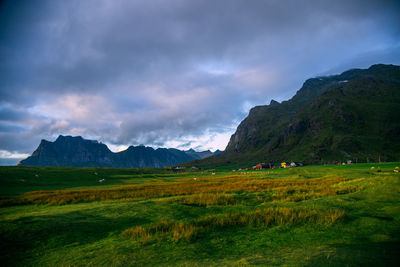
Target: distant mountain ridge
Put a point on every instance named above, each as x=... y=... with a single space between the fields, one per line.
x=203 y=154
x=351 y=116
x=68 y=151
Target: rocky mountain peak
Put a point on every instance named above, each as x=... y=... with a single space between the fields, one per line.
x=349 y=116
x=76 y=151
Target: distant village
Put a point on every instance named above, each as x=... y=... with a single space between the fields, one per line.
x=263 y=166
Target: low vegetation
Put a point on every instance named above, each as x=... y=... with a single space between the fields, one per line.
x=299 y=189
x=317 y=215
x=256 y=218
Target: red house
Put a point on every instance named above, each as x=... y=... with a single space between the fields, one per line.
x=261 y=166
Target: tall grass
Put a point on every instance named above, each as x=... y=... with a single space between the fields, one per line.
x=188 y=231
x=200 y=191
x=204 y=199
x=306 y=192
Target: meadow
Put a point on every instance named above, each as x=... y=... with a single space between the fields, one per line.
x=307 y=216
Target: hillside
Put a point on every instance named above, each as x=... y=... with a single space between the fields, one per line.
x=68 y=151
x=351 y=116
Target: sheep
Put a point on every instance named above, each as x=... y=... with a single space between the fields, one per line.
x=101 y=180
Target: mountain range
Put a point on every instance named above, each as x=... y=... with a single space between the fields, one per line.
x=352 y=116
x=68 y=151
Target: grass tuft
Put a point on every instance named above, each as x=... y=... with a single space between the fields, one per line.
x=178 y=231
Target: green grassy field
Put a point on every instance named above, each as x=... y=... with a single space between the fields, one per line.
x=309 y=216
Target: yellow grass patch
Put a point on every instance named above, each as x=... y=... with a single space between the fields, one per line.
x=202 y=193
x=258 y=218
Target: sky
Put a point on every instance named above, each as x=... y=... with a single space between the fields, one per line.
x=171 y=73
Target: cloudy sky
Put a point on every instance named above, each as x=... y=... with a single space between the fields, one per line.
x=171 y=73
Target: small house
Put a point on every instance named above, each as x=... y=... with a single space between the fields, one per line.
x=261 y=166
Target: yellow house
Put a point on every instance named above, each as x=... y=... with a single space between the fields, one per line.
x=283 y=165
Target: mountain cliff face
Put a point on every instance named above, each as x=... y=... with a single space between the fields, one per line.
x=351 y=116
x=141 y=156
x=71 y=151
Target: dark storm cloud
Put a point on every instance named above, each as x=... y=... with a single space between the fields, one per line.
x=8 y=113
x=159 y=72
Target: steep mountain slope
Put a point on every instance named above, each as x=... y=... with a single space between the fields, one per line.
x=141 y=156
x=79 y=152
x=70 y=151
x=354 y=115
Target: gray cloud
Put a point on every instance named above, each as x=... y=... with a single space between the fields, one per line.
x=172 y=72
